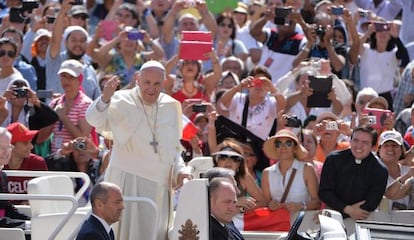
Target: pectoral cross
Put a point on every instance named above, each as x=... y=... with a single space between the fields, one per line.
x=154 y=144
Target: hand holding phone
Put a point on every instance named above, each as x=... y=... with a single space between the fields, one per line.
x=135 y=35
x=337 y=10
x=382 y=26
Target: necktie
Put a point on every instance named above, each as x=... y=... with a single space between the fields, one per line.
x=111 y=234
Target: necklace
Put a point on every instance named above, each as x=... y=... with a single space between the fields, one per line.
x=154 y=142
x=189 y=93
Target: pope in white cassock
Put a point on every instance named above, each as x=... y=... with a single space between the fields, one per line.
x=146 y=126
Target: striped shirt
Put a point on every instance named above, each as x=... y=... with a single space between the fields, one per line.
x=76 y=113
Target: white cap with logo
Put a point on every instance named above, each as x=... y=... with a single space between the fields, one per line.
x=391 y=136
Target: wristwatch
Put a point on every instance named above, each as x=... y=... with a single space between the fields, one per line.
x=304 y=206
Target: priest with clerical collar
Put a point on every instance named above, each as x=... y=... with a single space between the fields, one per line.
x=353 y=181
x=145 y=160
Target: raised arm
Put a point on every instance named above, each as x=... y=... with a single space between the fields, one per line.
x=211 y=79
x=58 y=29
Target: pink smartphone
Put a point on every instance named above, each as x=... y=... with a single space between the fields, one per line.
x=108 y=29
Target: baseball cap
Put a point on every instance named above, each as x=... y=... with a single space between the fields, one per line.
x=72 y=67
x=78 y=10
x=391 y=135
x=20 y=133
x=42 y=33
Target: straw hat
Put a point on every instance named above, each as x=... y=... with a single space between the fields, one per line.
x=270 y=149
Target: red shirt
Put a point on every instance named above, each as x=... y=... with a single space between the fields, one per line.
x=19 y=184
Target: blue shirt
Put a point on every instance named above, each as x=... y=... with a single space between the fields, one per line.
x=28 y=72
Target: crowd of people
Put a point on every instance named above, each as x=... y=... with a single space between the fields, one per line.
x=323 y=90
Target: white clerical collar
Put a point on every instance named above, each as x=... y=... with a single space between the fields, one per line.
x=104 y=223
x=358 y=161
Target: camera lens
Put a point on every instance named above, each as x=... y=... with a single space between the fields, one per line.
x=320 y=31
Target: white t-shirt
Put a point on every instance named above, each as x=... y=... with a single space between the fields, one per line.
x=260 y=117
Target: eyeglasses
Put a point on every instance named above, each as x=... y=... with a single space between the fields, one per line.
x=288 y=143
x=224 y=157
x=10 y=54
x=226 y=25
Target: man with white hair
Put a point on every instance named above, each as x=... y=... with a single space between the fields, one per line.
x=75 y=41
x=146 y=126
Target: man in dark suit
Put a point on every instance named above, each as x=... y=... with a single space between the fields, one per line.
x=223 y=200
x=107 y=206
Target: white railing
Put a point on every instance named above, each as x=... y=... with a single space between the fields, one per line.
x=82 y=175
x=62 y=222
x=82 y=190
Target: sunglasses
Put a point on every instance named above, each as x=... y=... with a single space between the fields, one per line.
x=11 y=54
x=226 y=25
x=288 y=143
x=224 y=157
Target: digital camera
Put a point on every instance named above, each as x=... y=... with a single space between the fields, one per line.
x=199 y=108
x=20 y=92
x=320 y=31
x=293 y=121
x=332 y=125
x=80 y=145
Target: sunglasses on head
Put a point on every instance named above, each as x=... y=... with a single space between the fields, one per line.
x=226 y=25
x=11 y=54
x=223 y=157
x=288 y=143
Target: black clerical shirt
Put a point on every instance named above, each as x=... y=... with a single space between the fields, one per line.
x=344 y=181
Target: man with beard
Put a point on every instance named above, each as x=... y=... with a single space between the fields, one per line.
x=75 y=41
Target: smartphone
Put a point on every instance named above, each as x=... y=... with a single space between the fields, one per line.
x=337 y=10
x=257 y=82
x=16 y=16
x=42 y=93
x=135 y=35
x=281 y=15
x=381 y=26
x=199 y=108
x=50 y=20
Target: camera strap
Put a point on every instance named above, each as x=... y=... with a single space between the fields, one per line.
x=244 y=118
x=245 y=111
